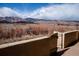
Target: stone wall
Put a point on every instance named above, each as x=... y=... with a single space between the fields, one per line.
x=32 y=47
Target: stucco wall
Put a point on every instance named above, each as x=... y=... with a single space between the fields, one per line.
x=41 y=47
x=70 y=37
x=78 y=34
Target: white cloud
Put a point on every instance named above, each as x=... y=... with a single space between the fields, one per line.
x=5 y=11
x=63 y=11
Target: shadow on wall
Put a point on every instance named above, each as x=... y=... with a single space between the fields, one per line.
x=35 y=47
x=70 y=38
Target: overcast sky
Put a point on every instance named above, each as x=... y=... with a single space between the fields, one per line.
x=41 y=10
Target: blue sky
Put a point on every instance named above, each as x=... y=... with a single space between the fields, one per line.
x=24 y=6
x=41 y=10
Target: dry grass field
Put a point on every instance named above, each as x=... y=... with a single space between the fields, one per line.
x=11 y=32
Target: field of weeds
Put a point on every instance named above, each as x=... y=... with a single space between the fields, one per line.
x=14 y=32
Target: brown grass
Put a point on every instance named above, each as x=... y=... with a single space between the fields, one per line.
x=11 y=31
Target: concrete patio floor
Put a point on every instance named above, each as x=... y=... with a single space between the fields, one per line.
x=72 y=51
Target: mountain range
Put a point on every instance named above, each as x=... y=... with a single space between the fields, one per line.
x=34 y=20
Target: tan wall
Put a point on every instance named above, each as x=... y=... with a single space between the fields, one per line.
x=60 y=40
x=40 y=47
x=70 y=37
x=78 y=34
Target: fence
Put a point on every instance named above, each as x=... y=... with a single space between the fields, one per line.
x=33 y=47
